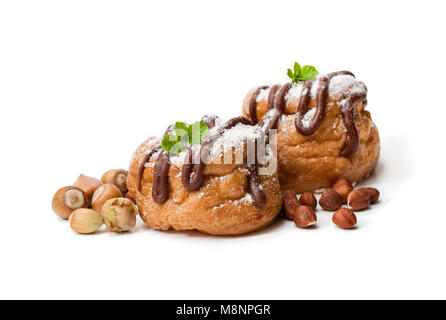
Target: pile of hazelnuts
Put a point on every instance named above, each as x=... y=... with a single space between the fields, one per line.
x=303 y=210
x=90 y=202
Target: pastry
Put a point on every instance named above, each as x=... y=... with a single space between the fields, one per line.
x=323 y=130
x=212 y=187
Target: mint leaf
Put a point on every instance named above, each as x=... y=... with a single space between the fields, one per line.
x=297 y=69
x=203 y=130
x=181 y=129
x=194 y=134
x=198 y=131
x=170 y=141
x=301 y=73
x=308 y=72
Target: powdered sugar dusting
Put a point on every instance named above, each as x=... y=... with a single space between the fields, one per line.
x=306 y=120
x=341 y=84
x=295 y=92
x=263 y=94
x=247 y=199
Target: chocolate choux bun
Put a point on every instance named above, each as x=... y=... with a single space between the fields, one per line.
x=323 y=130
x=215 y=187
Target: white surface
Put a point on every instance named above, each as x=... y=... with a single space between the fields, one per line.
x=82 y=83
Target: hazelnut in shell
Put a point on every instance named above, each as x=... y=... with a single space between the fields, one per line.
x=68 y=199
x=102 y=194
x=118 y=177
x=87 y=184
x=85 y=221
x=119 y=214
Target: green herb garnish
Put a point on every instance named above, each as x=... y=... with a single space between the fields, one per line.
x=302 y=74
x=192 y=134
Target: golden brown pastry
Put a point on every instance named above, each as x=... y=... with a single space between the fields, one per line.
x=222 y=195
x=323 y=130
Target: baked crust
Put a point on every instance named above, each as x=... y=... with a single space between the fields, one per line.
x=309 y=163
x=221 y=206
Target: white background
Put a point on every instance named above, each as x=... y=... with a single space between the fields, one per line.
x=83 y=83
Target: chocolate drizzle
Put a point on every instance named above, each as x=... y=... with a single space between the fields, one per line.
x=192 y=175
x=253 y=104
x=276 y=106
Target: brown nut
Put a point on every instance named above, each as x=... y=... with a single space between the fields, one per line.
x=305 y=217
x=358 y=199
x=330 y=200
x=308 y=199
x=118 y=177
x=88 y=185
x=373 y=193
x=290 y=203
x=119 y=215
x=102 y=194
x=68 y=199
x=343 y=187
x=85 y=221
x=344 y=218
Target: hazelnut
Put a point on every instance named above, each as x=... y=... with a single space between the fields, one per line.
x=373 y=193
x=85 y=221
x=290 y=203
x=102 y=194
x=344 y=218
x=119 y=214
x=358 y=199
x=308 y=199
x=68 y=199
x=305 y=217
x=330 y=200
x=118 y=177
x=343 y=187
x=88 y=185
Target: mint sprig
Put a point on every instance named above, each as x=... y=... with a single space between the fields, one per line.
x=192 y=134
x=302 y=73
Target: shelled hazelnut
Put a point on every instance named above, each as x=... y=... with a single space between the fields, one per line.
x=344 y=218
x=305 y=217
x=119 y=214
x=330 y=200
x=68 y=199
x=85 y=221
x=118 y=177
x=290 y=203
x=373 y=193
x=308 y=199
x=343 y=187
x=358 y=199
x=102 y=194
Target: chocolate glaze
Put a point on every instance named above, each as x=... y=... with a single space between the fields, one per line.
x=160 y=187
x=253 y=104
x=193 y=174
x=146 y=160
x=276 y=109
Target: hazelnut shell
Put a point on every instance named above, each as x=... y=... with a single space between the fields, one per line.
x=68 y=199
x=102 y=194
